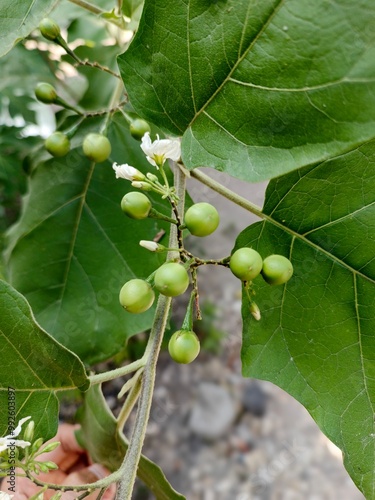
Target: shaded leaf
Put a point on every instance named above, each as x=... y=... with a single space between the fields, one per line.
x=257 y=89
x=73 y=248
x=34 y=365
x=109 y=447
x=18 y=19
x=316 y=335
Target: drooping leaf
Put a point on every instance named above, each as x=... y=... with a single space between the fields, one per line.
x=109 y=446
x=73 y=248
x=18 y=19
x=316 y=336
x=257 y=89
x=33 y=366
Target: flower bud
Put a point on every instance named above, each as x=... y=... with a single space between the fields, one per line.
x=152 y=246
x=142 y=185
x=36 y=445
x=56 y=496
x=128 y=172
x=49 y=29
x=255 y=311
x=29 y=431
x=152 y=177
x=51 y=446
x=50 y=465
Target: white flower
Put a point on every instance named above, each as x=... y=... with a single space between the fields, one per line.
x=5 y=496
x=9 y=440
x=158 y=151
x=127 y=172
x=149 y=245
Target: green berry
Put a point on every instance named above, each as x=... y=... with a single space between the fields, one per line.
x=246 y=264
x=136 y=205
x=171 y=279
x=44 y=92
x=138 y=128
x=136 y=296
x=96 y=147
x=202 y=219
x=57 y=144
x=277 y=269
x=49 y=29
x=184 y=346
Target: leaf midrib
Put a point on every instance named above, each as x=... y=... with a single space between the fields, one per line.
x=239 y=60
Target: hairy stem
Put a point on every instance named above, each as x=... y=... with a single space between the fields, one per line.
x=118 y=372
x=88 y=6
x=227 y=193
x=129 y=466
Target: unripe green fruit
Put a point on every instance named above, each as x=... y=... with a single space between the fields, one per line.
x=138 y=128
x=171 y=279
x=202 y=219
x=44 y=92
x=49 y=29
x=136 y=296
x=246 y=264
x=184 y=346
x=57 y=144
x=96 y=147
x=136 y=205
x=277 y=269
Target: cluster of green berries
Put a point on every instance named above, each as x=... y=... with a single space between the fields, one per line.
x=246 y=264
x=172 y=278
x=95 y=146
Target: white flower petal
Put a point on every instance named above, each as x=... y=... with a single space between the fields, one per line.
x=5 y=496
x=18 y=429
x=149 y=245
x=159 y=150
x=21 y=443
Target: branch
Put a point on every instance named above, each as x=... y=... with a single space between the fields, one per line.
x=129 y=466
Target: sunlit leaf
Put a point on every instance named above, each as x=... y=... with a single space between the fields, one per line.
x=256 y=89
x=316 y=335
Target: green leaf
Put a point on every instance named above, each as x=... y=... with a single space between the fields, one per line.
x=73 y=248
x=316 y=335
x=133 y=10
x=34 y=366
x=18 y=19
x=109 y=446
x=257 y=89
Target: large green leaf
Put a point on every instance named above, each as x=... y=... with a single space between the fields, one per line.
x=33 y=365
x=19 y=18
x=109 y=447
x=257 y=89
x=73 y=248
x=316 y=336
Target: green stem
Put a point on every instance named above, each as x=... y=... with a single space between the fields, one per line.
x=88 y=6
x=131 y=399
x=227 y=193
x=129 y=466
x=119 y=6
x=86 y=62
x=118 y=372
x=154 y=214
x=66 y=105
x=117 y=93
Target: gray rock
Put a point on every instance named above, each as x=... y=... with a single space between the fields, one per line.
x=254 y=399
x=213 y=412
